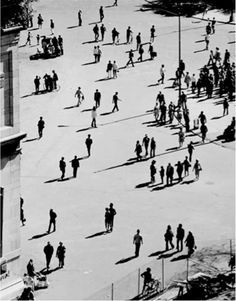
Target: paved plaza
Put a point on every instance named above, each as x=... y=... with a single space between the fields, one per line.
x=110 y=174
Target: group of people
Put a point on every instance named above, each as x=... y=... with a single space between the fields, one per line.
x=50 y=82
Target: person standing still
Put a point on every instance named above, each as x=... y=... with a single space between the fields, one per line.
x=169 y=237
x=61 y=250
x=37 y=84
x=225 y=107
x=101 y=13
x=162 y=174
x=153 y=171
x=88 y=143
x=179 y=238
x=52 y=220
x=97 y=98
x=41 y=124
x=94 y=116
x=62 y=166
x=102 y=30
x=107 y=219
x=162 y=73
x=145 y=143
x=112 y=212
x=80 y=17
x=48 y=251
x=152 y=35
x=190 y=150
x=52 y=25
x=75 y=166
x=137 y=241
x=197 y=168
x=152 y=147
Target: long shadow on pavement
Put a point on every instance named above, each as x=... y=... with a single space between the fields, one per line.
x=103 y=79
x=124 y=260
x=142 y=185
x=29 y=140
x=97 y=234
x=106 y=113
x=188 y=182
x=90 y=42
x=71 y=107
x=90 y=63
x=38 y=235
x=85 y=129
x=181 y=257
x=46 y=272
x=157 y=253
x=74 y=26
x=167 y=255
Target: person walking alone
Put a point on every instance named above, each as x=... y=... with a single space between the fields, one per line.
x=62 y=166
x=130 y=61
x=225 y=107
x=88 y=143
x=52 y=25
x=97 y=98
x=80 y=18
x=80 y=96
x=190 y=150
x=153 y=171
x=61 y=250
x=94 y=116
x=179 y=238
x=52 y=220
x=190 y=243
x=112 y=212
x=41 y=125
x=48 y=251
x=75 y=165
x=197 y=168
x=162 y=73
x=115 y=100
x=137 y=241
x=169 y=237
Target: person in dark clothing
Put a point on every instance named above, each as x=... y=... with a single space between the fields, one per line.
x=62 y=166
x=61 y=250
x=181 y=68
x=37 y=84
x=50 y=83
x=27 y=294
x=60 y=43
x=48 y=251
x=112 y=212
x=152 y=148
x=160 y=98
x=40 y=21
x=203 y=130
x=130 y=61
x=202 y=118
x=97 y=98
x=146 y=140
x=140 y=51
x=179 y=170
x=152 y=34
x=213 y=23
x=147 y=279
x=169 y=174
x=115 y=35
x=151 y=52
x=138 y=40
x=52 y=220
x=190 y=150
x=22 y=216
x=109 y=69
x=75 y=166
x=128 y=35
x=163 y=110
x=169 y=237
x=54 y=79
x=138 y=151
x=186 y=120
x=186 y=165
x=80 y=17
x=102 y=30
x=115 y=101
x=179 y=238
x=41 y=124
x=101 y=13
x=88 y=143
x=153 y=171
x=190 y=243
x=107 y=219
x=137 y=241
x=96 y=32
x=52 y=25
x=30 y=268
x=225 y=107
x=162 y=174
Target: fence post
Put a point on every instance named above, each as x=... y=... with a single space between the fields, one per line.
x=138 y=282
x=112 y=292
x=163 y=275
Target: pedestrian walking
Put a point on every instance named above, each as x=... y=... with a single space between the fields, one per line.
x=80 y=18
x=75 y=165
x=190 y=150
x=96 y=32
x=130 y=61
x=153 y=171
x=145 y=143
x=197 y=168
x=138 y=41
x=156 y=113
x=190 y=243
x=40 y=21
x=80 y=96
x=22 y=216
x=29 y=36
x=52 y=220
x=213 y=23
x=162 y=174
x=48 y=251
x=179 y=238
x=38 y=39
x=62 y=166
x=162 y=74
x=89 y=143
x=41 y=125
x=54 y=79
x=115 y=3
x=208 y=28
x=101 y=13
x=137 y=241
x=186 y=165
x=152 y=34
x=112 y=213
x=61 y=250
x=138 y=151
x=102 y=30
x=179 y=170
x=37 y=84
x=169 y=174
x=115 y=69
x=128 y=35
x=52 y=25
x=187 y=79
x=152 y=148
x=225 y=107
x=115 y=100
x=99 y=54
x=109 y=69
x=181 y=137
x=140 y=51
x=202 y=118
x=168 y=238
x=207 y=41
x=95 y=54
x=203 y=130
x=94 y=116
x=97 y=98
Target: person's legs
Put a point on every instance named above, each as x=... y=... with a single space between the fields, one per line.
x=49 y=227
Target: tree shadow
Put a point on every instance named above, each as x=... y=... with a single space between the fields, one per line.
x=46 y=272
x=167 y=255
x=97 y=234
x=74 y=26
x=188 y=182
x=201 y=50
x=157 y=253
x=106 y=113
x=71 y=107
x=103 y=79
x=217 y=117
x=90 y=42
x=90 y=63
x=181 y=257
x=29 y=140
x=38 y=236
x=124 y=260
x=143 y=185
x=85 y=129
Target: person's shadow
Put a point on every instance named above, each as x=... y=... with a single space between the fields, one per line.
x=167 y=255
x=124 y=260
x=39 y=235
x=181 y=257
x=45 y=271
x=157 y=253
x=97 y=234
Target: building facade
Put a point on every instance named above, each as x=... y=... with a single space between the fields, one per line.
x=10 y=137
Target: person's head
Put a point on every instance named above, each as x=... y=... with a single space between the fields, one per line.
x=180 y=225
x=138 y=231
x=50 y=210
x=162 y=167
x=95 y=47
x=162 y=66
x=60 y=243
x=148 y=270
x=79 y=88
x=196 y=161
x=114 y=62
x=41 y=117
x=31 y=261
x=111 y=205
x=48 y=243
x=137 y=142
x=116 y=93
x=168 y=227
x=89 y=135
x=106 y=209
x=186 y=157
x=75 y=157
x=62 y=158
x=94 y=108
x=153 y=161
